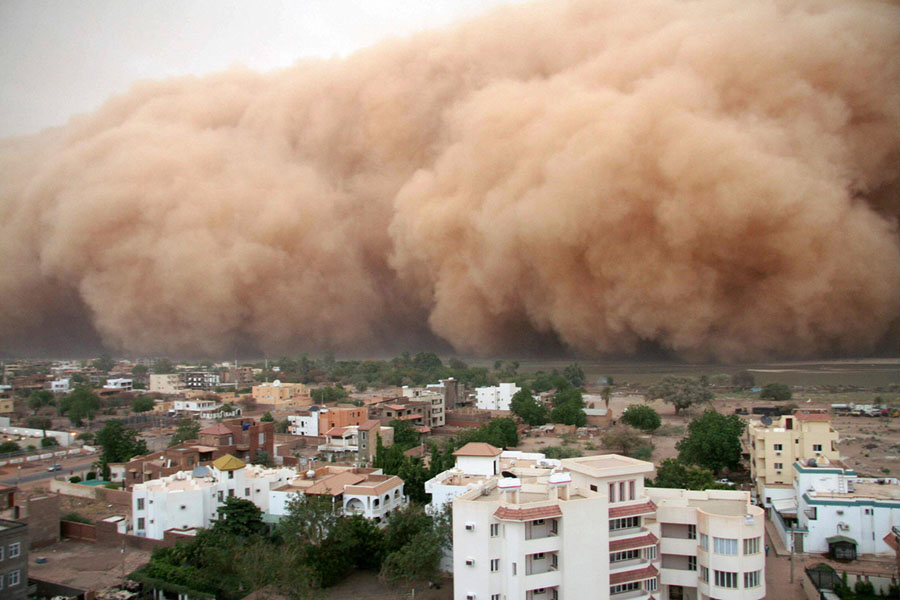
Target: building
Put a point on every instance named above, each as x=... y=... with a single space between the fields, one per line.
x=523 y=528
x=497 y=397
x=244 y=438
x=834 y=507
x=437 y=415
x=189 y=499
x=368 y=433
x=237 y=376
x=201 y=380
x=119 y=385
x=168 y=383
x=776 y=443
x=61 y=386
x=304 y=422
x=195 y=406
x=452 y=390
x=13 y=560
x=282 y=395
x=7 y=404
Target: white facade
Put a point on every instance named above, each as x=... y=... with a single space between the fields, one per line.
x=60 y=386
x=195 y=406
x=167 y=383
x=306 y=423
x=182 y=500
x=125 y=385
x=496 y=398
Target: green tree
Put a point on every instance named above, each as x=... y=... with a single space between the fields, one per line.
x=186 y=430
x=282 y=426
x=139 y=370
x=119 y=443
x=328 y=394
x=743 y=380
x=8 y=446
x=427 y=361
x=39 y=422
x=105 y=363
x=263 y=458
x=624 y=440
x=528 y=409
x=681 y=392
x=641 y=416
x=81 y=404
x=606 y=396
x=239 y=517
x=163 y=366
x=713 y=441
x=405 y=434
x=672 y=473
x=39 y=399
x=310 y=519
x=49 y=442
x=561 y=452
x=776 y=391
x=267 y=417
x=569 y=414
x=143 y=404
x=574 y=374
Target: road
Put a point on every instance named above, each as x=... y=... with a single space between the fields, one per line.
x=40 y=472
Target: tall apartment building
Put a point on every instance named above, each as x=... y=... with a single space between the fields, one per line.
x=774 y=448
x=201 y=380
x=282 y=395
x=589 y=528
x=437 y=416
x=167 y=383
x=13 y=560
x=495 y=398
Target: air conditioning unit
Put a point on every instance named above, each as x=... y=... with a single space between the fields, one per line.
x=470 y=526
x=470 y=562
x=843 y=526
x=470 y=596
x=840 y=512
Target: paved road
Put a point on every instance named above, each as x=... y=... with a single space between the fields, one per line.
x=29 y=475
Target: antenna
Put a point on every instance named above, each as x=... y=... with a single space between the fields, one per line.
x=766 y=420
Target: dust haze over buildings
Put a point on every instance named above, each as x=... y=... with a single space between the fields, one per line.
x=714 y=179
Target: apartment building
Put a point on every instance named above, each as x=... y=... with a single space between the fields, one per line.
x=496 y=397
x=189 y=499
x=452 y=390
x=201 y=380
x=61 y=386
x=282 y=395
x=778 y=442
x=120 y=385
x=167 y=383
x=437 y=415
x=540 y=532
x=13 y=560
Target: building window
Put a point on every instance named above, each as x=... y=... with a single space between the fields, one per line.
x=778 y=447
x=538 y=521
x=537 y=556
x=778 y=466
x=612 y=493
x=495 y=529
x=624 y=555
x=140 y=523
x=246 y=491
x=704 y=541
x=2 y=548
x=230 y=492
x=622 y=491
x=725 y=546
x=183 y=507
x=751 y=580
x=817 y=447
x=13 y=578
x=495 y=596
x=650 y=553
x=692 y=563
x=140 y=504
x=651 y=585
x=725 y=579
x=221 y=496
x=230 y=474
x=495 y=565
x=692 y=532
x=867 y=511
x=751 y=546
x=631 y=488
x=262 y=438
x=704 y=574
x=593 y=488
x=624 y=587
x=624 y=523
x=15 y=550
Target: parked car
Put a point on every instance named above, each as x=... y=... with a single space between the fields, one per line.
x=55 y=468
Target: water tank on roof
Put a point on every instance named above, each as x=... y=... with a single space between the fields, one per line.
x=811 y=462
x=277 y=383
x=313 y=408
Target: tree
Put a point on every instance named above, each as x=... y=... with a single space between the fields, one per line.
x=39 y=422
x=528 y=409
x=143 y=404
x=625 y=440
x=606 y=395
x=574 y=374
x=263 y=458
x=267 y=417
x=405 y=434
x=119 y=443
x=163 y=366
x=641 y=416
x=569 y=408
x=105 y=363
x=186 y=430
x=49 y=442
x=39 y=399
x=561 y=452
x=80 y=404
x=777 y=391
x=681 y=392
x=328 y=394
x=6 y=447
x=743 y=380
x=310 y=519
x=139 y=370
x=282 y=426
x=427 y=361
x=713 y=441
x=673 y=473
x=239 y=517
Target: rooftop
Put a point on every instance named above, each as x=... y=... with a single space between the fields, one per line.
x=478 y=449
x=607 y=465
x=229 y=463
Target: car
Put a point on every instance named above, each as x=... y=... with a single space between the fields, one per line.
x=55 y=468
x=725 y=481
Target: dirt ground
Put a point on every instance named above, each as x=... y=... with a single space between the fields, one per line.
x=85 y=565
x=364 y=585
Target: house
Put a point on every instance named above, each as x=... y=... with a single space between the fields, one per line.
x=776 y=443
x=435 y=398
x=496 y=397
x=201 y=380
x=167 y=383
x=61 y=386
x=119 y=385
x=13 y=560
x=282 y=395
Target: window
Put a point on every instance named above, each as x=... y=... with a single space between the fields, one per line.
x=140 y=504
x=631 y=487
x=495 y=565
x=650 y=553
x=751 y=546
x=495 y=529
x=612 y=493
x=624 y=523
x=514 y=568
x=230 y=474
x=692 y=532
x=704 y=574
x=1 y=581
x=495 y=596
x=246 y=491
x=624 y=555
x=538 y=521
x=13 y=578
x=867 y=511
x=1 y=552
x=183 y=507
x=692 y=563
x=140 y=523
x=230 y=492
x=778 y=447
x=624 y=587
x=817 y=447
x=554 y=526
x=651 y=585
x=778 y=466
x=221 y=496
x=622 y=491
x=538 y=556
x=725 y=546
x=593 y=488
x=15 y=550
x=751 y=580
x=725 y=579
x=704 y=541
x=262 y=438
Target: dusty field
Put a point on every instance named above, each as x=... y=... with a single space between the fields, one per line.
x=85 y=565
x=363 y=585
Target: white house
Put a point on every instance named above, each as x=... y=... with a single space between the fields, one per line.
x=495 y=398
x=192 y=498
x=305 y=422
x=124 y=385
x=195 y=405
x=60 y=386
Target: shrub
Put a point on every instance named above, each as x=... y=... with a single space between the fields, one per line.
x=75 y=479
x=776 y=391
x=90 y=475
x=641 y=416
x=561 y=452
x=75 y=517
x=112 y=486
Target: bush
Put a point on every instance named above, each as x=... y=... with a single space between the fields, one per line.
x=49 y=442
x=75 y=517
x=561 y=452
x=641 y=416
x=112 y=486
x=75 y=479
x=90 y=475
x=776 y=391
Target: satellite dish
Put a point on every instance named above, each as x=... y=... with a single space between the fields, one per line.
x=811 y=462
x=766 y=420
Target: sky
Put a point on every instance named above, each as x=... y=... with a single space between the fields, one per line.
x=59 y=58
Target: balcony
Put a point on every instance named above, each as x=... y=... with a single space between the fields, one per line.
x=631 y=595
x=682 y=577
x=535 y=566
x=536 y=530
x=628 y=565
x=545 y=580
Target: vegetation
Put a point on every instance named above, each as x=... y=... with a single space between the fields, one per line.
x=9 y=446
x=673 y=473
x=36 y=422
x=75 y=517
x=186 y=430
x=405 y=434
x=743 y=380
x=143 y=404
x=574 y=374
x=105 y=363
x=282 y=426
x=777 y=391
x=528 y=409
x=39 y=399
x=568 y=408
x=81 y=404
x=49 y=442
x=641 y=416
x=267 y=417
x=713 y=441
x=561 y=452
x=329 y=394
x=627 y=441
x=681 y=392
x=119 y=443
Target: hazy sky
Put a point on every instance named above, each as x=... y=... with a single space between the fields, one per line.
x=60 y=57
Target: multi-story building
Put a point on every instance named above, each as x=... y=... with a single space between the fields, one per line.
x=368 y=433
x=304 y=422
x=13 y=560
x=777 y=443
x=451 y=389
x=167 y=383
x=190 y=499
x=437 y=415
x=195 y=406
x=537 y=531
x=496 y=397
x=201 y=380
x=120 y=385
x=61 y=386
x=282 y=395
x=237 y=376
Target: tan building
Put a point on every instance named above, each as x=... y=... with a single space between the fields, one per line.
x=282 y=395
x=167 y=383
x=6 y=405
x=776 y=444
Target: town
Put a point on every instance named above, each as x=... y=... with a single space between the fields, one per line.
x=422 y=475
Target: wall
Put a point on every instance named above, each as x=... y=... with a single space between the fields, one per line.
x=119 y=498
x=43 y=520
x=72 y=489
x=78 y=531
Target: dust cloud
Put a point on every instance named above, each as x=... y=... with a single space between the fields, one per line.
x=719 y=179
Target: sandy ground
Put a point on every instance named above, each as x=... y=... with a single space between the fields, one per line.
x=364 y=585
x=85 y=565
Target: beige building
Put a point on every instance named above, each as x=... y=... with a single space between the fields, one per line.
x=776 y=445
x=588 y=528
x=282 y=395
x=167 y=383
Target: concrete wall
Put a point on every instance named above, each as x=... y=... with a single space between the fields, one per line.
x=43 y=520
x=73 y=489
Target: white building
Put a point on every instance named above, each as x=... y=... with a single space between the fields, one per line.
x=192 y=498
x=834 y=505
x=60 y=386
x=167 y=383
x=124 y=385
x=305 y=422
x=201 y=380
x=495 y=398
x=589 y=528
x=195 y=406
